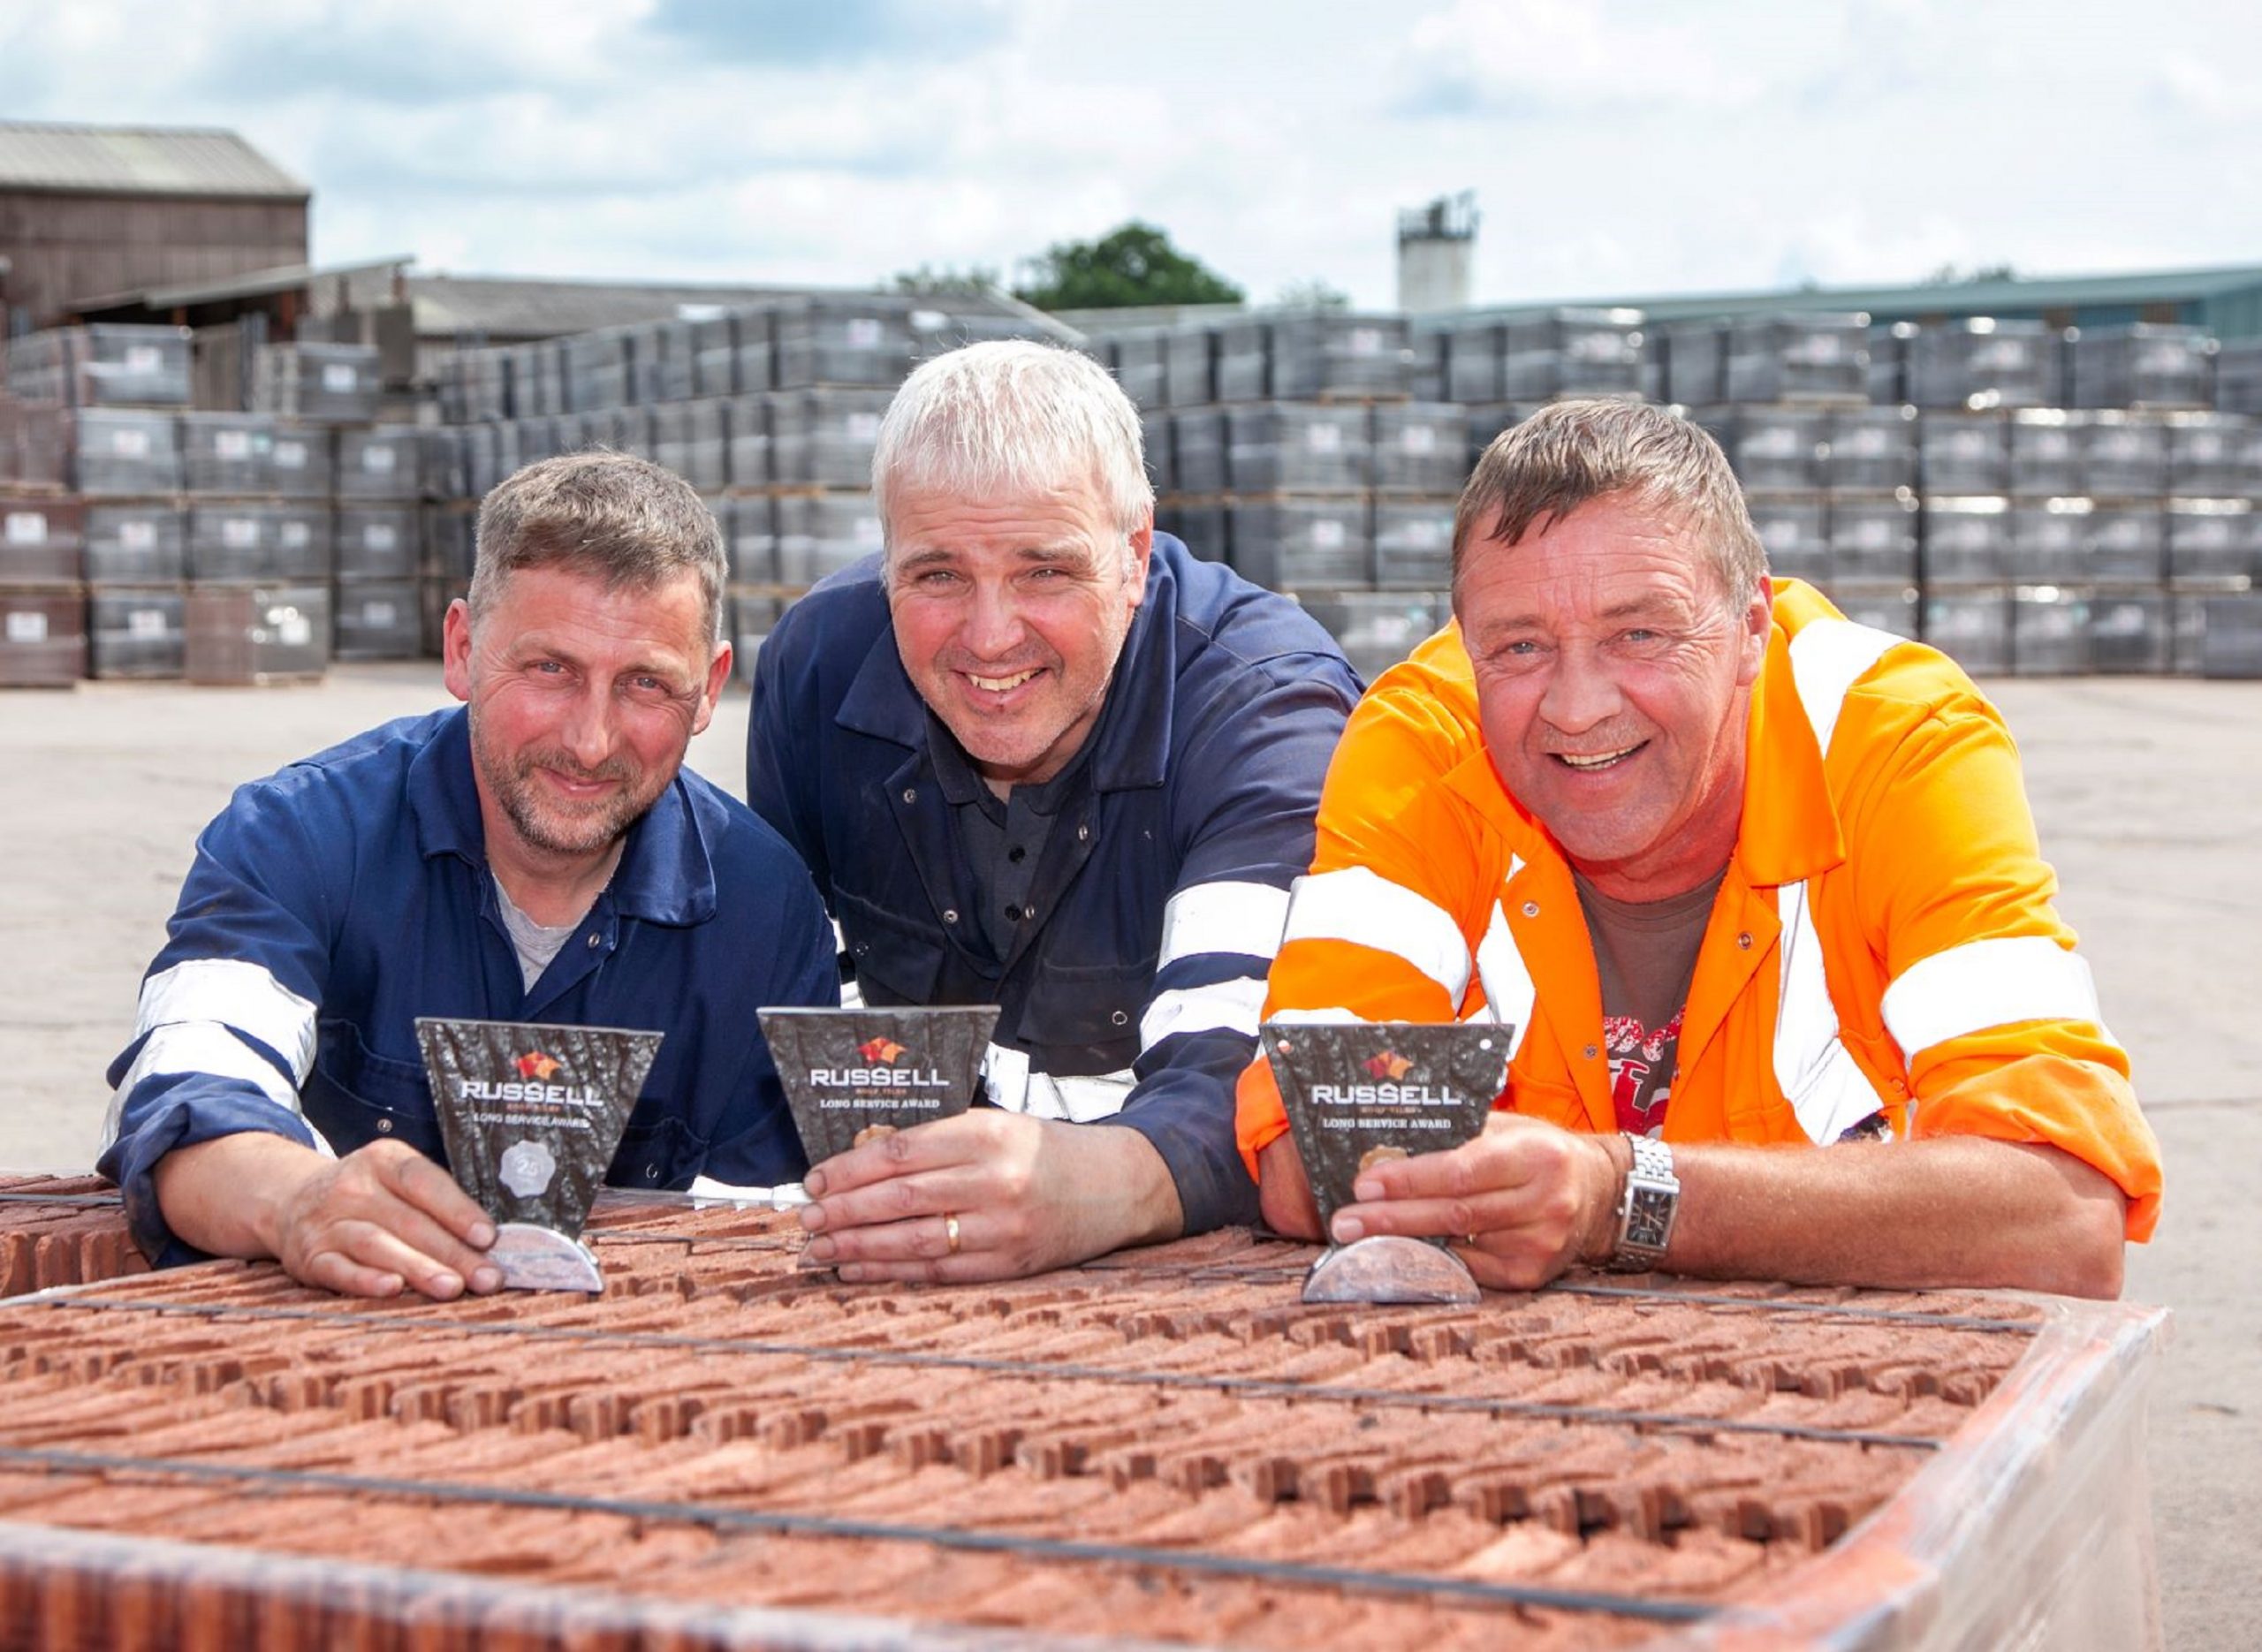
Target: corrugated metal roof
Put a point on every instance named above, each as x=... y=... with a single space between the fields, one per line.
x=1948 y=297
x=139 y=161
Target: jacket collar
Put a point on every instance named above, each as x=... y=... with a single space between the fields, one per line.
x=1789 y=829
x=666 y=874
x=1130 y=744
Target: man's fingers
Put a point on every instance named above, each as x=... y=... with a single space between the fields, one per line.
x=1491 y=1163
x=906 y=1153
x=917 y=1239
x=432 y=1190
x=364 y=1259
x=1426 y=1218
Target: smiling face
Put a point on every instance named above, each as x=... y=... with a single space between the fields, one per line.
x=1009 y=614
x=1613 y=678
x=583 y=698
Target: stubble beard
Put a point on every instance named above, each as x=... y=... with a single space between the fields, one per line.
x=545 y=825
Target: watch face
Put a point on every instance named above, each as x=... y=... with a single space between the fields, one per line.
x=1648 y=1221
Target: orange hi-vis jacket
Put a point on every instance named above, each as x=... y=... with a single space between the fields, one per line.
x=1883 y=940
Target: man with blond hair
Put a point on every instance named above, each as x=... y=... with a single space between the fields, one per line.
x=538 y=854
x=1038 y=755
x=1756 y=887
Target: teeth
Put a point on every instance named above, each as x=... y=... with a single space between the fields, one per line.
x=999 y=685
x=1603 y=761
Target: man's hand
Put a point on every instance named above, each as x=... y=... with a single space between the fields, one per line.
x=381 y=1220
x=1026 y=1194
x=1524 y=1200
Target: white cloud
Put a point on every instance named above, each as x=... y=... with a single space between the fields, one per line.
x=1615 y=147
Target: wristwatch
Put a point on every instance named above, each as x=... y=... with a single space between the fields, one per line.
x=1647 y=1207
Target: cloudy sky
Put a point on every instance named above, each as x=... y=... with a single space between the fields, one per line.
x=1615 y=148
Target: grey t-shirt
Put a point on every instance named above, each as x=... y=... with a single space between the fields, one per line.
x=1645 y=953
x=536 y=943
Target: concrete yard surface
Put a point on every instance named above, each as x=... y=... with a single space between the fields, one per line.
x=2148 y=793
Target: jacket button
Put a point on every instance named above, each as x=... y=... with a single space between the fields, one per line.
x=385 y=1126
x=595 y=940
x=950 y=914
x=911 y=794
x=1119 y=1018
x=1084 y=833
x=1589 y=1053
x=652 y=1173
x=1744 y=940
x=1532 y=909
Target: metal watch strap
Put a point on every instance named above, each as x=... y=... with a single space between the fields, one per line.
x=1647 y=1207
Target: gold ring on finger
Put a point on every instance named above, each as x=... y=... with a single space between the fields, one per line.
x=950 y=1231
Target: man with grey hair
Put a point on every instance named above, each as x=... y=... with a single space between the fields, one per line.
x=1039 y=755
x=539 y=854
x=1741 y=874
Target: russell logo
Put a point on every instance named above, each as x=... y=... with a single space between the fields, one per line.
x=534 y=1064
x=1388 y=1065
x=881 y=1051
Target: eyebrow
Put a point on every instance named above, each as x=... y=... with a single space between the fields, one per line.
x=937 y=555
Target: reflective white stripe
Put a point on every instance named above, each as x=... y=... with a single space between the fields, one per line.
x=1309 y=1017
x=1510 y=994
x=1817 y=1075
x=1987 y=983
x=1828 y=656
x=1013 y=1086
x=1360 y=905
x=1230 y=1005
x=1224 y=917
x=235 y=994
x=199 y=1047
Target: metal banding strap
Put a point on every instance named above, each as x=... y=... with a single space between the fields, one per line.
x=1227 y=916
x=1360 y=905
x=1981 y=984
x=235 y=994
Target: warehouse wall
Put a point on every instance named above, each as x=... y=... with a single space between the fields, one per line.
x=68 y=247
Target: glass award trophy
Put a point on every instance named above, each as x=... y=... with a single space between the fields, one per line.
x=532 y=1116
x=1360 y=1092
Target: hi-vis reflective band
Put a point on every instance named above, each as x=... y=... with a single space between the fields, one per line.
x=1012 y=1086
x=1981 y=984
x=186 y=1047
x=1229 y=1005
x=235 y=994
x=1223 y=917
x=1362 y=906
x=1817 y=1075
x=1820 y=1079
x=1510 y=992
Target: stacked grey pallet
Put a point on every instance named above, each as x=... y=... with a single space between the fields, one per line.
x=772 y=412
x=1288 y=446
x=118 y=392
x=42 y=533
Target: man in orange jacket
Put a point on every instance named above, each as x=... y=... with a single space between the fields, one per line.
x=1746 y=879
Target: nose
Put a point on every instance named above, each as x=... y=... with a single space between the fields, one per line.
x=992 y=628
x=1580 y=693
x=587 y=734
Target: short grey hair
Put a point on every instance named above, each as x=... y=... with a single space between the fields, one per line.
x=1012 y=417
x=1538 y=472
x=621 y=519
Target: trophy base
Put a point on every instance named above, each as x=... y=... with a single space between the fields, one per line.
x=542 y=1259
x=1390 y=1267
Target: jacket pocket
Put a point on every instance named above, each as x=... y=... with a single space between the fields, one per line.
x=657 y=1149
x=355 y=1096
x=902 y=958
x=1086 y=1019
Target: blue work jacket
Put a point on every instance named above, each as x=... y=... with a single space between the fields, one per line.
x=334 y=902
x=1131 y=995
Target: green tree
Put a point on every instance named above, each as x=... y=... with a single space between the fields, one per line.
x=948 y=281
x=1133 y=265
